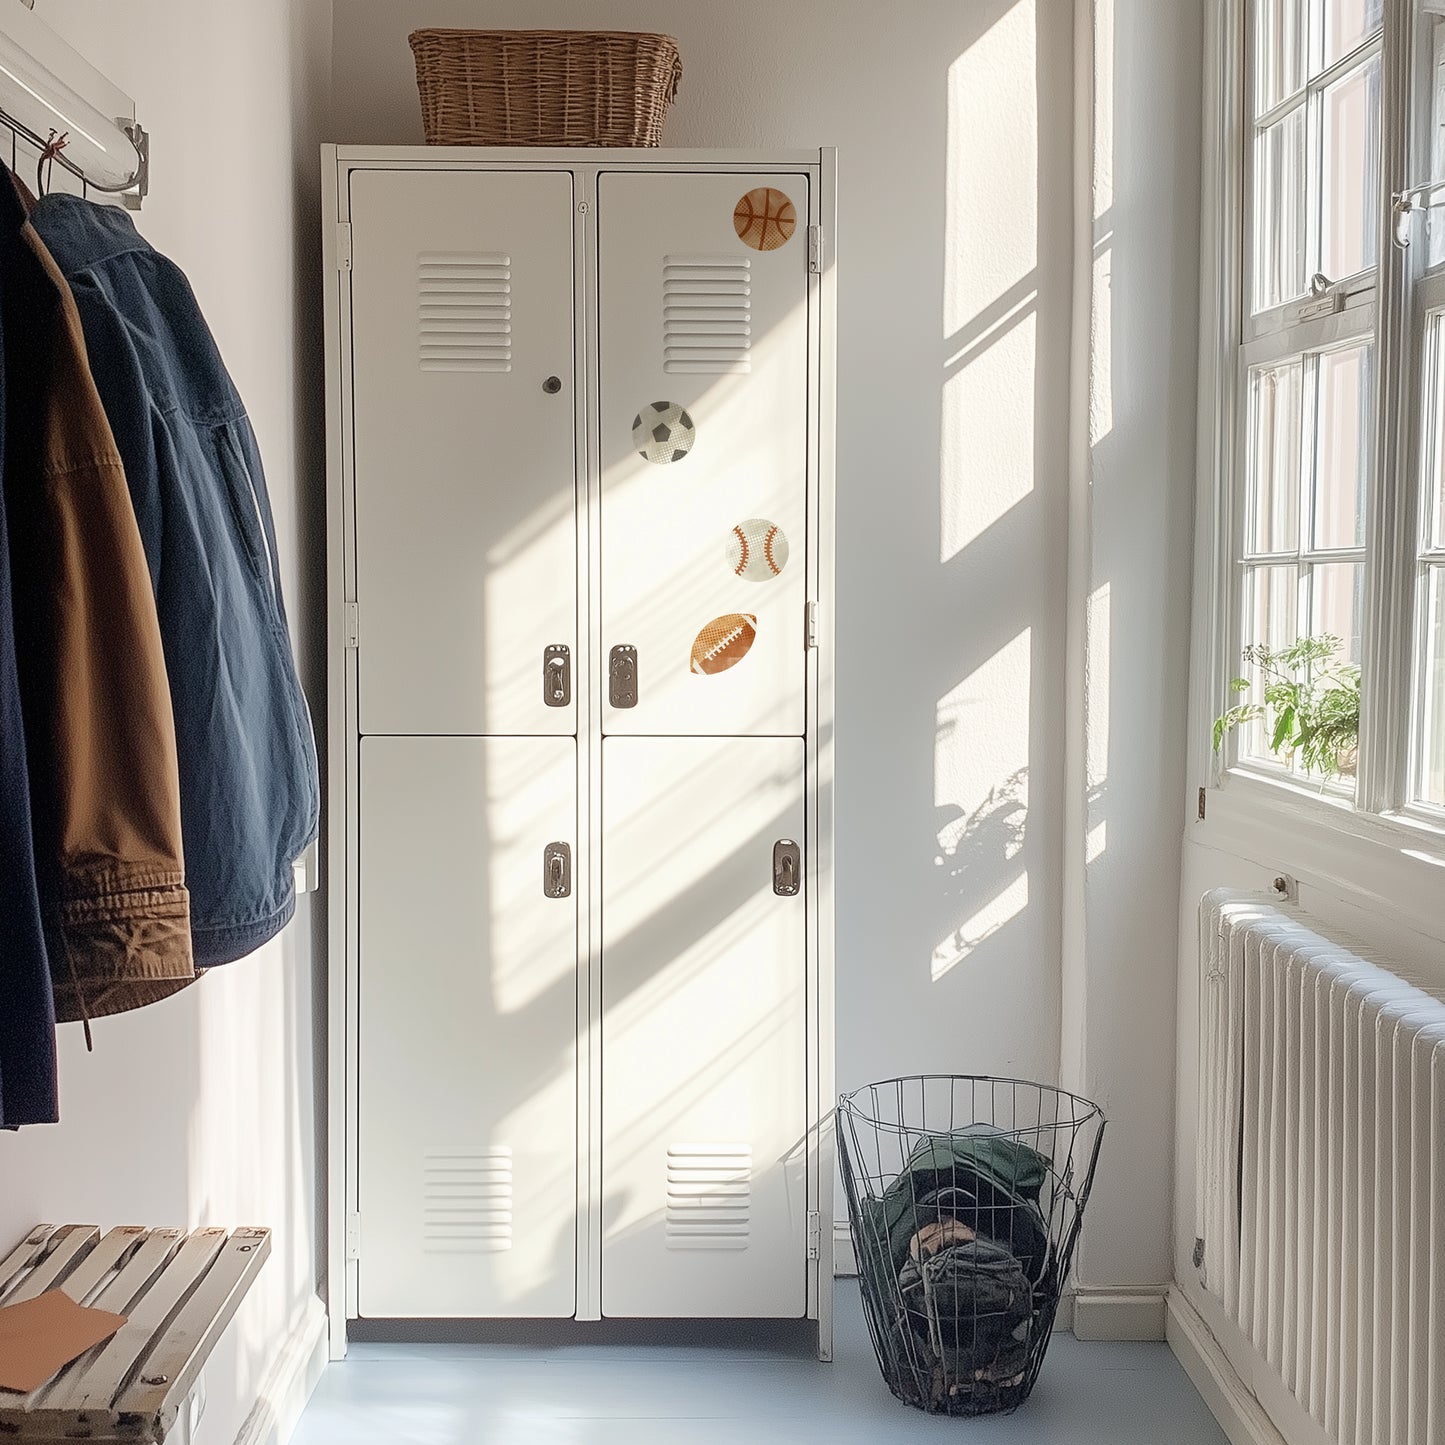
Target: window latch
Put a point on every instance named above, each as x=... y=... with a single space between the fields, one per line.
x=1404 y=204
x=1325 y=298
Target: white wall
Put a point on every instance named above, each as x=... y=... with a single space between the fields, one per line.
x=956 y=131
x=201 y=1110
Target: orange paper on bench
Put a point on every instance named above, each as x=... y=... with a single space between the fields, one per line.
x=40 y=1335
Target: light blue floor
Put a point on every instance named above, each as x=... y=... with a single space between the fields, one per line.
x=646 y=1390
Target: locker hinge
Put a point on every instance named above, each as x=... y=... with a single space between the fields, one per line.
x=343 y=246
x=815 y=250
x=815 y=1235
x=353 y=626
x=353 y=1236
x=810 y=625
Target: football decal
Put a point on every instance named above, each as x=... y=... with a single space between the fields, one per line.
x=757 y=550
x=765 y=219
x=663 y=432
x=723 y=643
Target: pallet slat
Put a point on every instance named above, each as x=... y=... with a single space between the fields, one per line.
x=23 y=1256
x=67 y=1247
x=107 y=1255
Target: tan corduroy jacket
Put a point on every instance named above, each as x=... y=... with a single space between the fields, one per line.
x=102 y=749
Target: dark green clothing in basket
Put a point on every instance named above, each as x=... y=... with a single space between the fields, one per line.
x=955 y=1189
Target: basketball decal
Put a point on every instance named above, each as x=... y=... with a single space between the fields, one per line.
x=723 y=643
x=757 y=550
x=663 y=432
x=765 y=219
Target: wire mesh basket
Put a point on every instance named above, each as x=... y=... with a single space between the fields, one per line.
x=965 y=1196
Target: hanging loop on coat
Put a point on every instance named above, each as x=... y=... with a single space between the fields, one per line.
x=46 y=164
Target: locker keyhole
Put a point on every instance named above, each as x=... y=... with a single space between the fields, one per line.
x=552 y=385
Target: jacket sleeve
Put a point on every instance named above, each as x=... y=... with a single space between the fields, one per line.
x=107 y=791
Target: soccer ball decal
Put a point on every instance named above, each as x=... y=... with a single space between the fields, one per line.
x=663 y=432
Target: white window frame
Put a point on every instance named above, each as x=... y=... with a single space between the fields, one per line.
x=1386 y=302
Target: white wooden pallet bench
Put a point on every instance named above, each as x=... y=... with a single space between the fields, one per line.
x=178 y=1291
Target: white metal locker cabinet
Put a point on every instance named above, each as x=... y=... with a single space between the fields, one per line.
x=462 y=309
x=703 y=397
x=467 y=1038
x=704 y=1053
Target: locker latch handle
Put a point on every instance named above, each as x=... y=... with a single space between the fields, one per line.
x=787 y=868
x=557 y=870
x=622 y=676
x=557 y=675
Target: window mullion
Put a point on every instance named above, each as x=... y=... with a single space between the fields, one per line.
x=1389 y=509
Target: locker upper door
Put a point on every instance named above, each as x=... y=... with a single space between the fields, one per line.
x=703 y=395
x=704 y=1044
x=466 y=1055
x=465 y=451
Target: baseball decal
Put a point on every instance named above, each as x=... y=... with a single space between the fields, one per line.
x=723 y=643
x=757 y=550
x=765 y=219
x=663 y=432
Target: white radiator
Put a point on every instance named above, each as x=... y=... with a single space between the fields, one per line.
x=1321 y=1201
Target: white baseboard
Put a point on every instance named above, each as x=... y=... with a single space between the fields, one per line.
x=845 y=1262
x=1101 y=1313
x=1230 y=1400
x=288 y=1384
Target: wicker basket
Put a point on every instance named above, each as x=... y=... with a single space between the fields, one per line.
x=545 y=87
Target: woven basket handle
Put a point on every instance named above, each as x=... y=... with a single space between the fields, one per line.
x=675 y=79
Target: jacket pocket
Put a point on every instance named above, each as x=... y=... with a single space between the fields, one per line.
x=245 y=504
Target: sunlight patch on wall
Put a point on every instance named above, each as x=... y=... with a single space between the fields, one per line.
x=993 y=153
x=1003 y=908
x=981 y=796
x=1097 y=684
x=986 y=461
x=1101 y=325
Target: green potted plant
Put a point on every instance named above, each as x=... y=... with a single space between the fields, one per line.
x=1311 y=707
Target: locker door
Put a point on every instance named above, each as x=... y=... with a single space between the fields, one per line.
x=468 y=1020
x=703 y=395
x=465 y=463
x=704 y=1207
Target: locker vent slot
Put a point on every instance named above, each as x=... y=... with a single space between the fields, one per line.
x=709 y=1196
x=464 y=311
x=467 y=1201
x=706 y=314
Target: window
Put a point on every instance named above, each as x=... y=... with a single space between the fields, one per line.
x=1335 y=633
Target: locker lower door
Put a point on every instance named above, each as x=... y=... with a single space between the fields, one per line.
x=703 y=410
x=464 y=416
x=466 y=1135
x=704 y=1102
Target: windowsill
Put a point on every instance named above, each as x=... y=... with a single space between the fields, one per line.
x=1386 y=862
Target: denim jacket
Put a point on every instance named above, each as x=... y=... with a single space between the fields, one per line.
x=250 y=798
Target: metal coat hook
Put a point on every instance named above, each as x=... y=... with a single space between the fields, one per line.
x=45 y=166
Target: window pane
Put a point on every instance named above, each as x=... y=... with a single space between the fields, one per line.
x=1433 y=41
x=1348 y=24
x=1279 y=43
x=1271 y=607
x=1349 y=205
x=1432 y=423
x=1279 y=212
x=1432 y=780
x=1342 y=448
x=1276 y=407
x=1337 y=605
